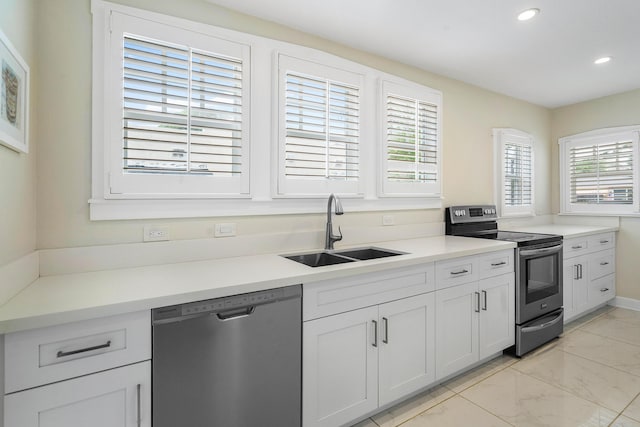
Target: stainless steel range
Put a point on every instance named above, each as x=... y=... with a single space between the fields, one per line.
x=538 y=262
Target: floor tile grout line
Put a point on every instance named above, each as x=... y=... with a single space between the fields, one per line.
x=629 y=404
x=609 y=337
x=599 y=363
x=488 y=376
x=486 y=410
x=431 y=407
x=560 y=387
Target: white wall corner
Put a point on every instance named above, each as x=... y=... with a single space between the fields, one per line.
x=17 y=275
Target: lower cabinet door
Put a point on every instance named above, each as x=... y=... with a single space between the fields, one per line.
x=407 y=346
x=457 y=311
x=340 y=367
x=119 y=397
x=497 y=314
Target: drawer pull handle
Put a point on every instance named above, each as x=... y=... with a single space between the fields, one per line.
x=604 y=241
x=604 y=263
x=83 y=350
x=498 y=264
x=386 y=330
x=604 y=289
x=375 y=333
x=455 y=273
x=576 y=247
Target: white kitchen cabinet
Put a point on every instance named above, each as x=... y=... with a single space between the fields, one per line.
x=339 y=368
x=93 y=373
x=588 y=274
x=356 y=361
x=474 y=320
x=497 y=314
x=456 y=328
x=114 y=398
x=406 y=346
x=475 y=313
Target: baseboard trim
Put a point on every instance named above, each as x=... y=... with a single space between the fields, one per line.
x=623 y=302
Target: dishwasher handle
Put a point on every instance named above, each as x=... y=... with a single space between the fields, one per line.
x=237 y=313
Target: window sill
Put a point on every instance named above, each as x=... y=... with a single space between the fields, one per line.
x=101 y=210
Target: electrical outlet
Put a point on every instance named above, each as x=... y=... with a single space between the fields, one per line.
x=155 y=233
x=225 y=230
x=388 y=220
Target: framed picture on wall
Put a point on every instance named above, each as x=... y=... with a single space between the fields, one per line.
x=14 y=97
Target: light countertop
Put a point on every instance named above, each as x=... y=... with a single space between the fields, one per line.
x=565 y=230
x=65 y=298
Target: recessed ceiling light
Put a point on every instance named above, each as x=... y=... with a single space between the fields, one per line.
x=525 y=15
x=602 y=60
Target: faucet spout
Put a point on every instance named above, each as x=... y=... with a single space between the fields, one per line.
x=331 y=238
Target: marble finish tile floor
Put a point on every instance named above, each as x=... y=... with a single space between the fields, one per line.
x=590 y=377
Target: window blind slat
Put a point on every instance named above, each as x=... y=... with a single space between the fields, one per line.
x=174 y=94
x=322 y=126
x=411 y=140
x=602 y=173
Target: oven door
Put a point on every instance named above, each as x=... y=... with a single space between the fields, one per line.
x=538 y=281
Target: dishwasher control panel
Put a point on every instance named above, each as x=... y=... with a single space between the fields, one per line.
x=219 y=304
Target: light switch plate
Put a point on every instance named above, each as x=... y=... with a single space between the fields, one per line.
x=225 y=230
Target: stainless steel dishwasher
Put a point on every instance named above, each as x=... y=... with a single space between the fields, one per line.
x=229 y=362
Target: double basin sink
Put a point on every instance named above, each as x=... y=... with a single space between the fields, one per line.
x=327 y=257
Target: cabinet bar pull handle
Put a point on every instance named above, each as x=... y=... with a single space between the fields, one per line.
x=83 y=350
x=477 y=310
x=498 y=264
x=577 y=276
x=386 y=330
x=604 y=289
x=375 y=333
x=581 y=276
x=484 y=297
x=453 y=273
x=604 y=263
x=576 y=247
x=139 y=419
x=604 y=241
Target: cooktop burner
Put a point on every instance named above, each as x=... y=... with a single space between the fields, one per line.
x=481 y=221
x=522 y=239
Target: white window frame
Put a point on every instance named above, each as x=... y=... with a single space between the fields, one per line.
x=263 y=196
x=412 y=91
x=596 y=137
x=121 y=185
x=501 y=138
x=290 y=187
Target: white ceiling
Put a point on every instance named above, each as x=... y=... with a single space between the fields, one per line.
x=547 y=61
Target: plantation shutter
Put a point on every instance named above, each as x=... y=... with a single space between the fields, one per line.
x=182 y=110
x=412 y=140
x=322 y=129
x=602 y=173
x=518 y=174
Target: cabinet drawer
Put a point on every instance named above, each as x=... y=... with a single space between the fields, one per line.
x=329 y=297
x=601 y=264
x=575 y=247
x=601 y=290
x=495 y=264
x=456 y=272
x=46 y=355
x=602 y=241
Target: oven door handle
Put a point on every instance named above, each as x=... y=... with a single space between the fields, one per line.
x=543 y=326
x=530 y=252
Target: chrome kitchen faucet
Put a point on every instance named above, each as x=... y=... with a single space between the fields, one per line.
x=330 y=237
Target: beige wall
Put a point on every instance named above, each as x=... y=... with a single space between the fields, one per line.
x=18 y=170
x=616 y=110
x=64 y=172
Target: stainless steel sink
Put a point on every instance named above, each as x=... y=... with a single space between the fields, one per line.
x=323 y=258
x=319 y=259
x=364 y=254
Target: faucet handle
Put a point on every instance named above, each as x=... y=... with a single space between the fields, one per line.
x=339 y=236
